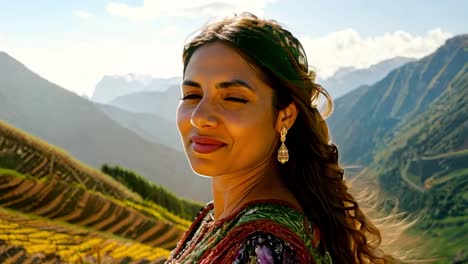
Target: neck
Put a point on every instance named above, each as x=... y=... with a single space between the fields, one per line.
x=232 y=191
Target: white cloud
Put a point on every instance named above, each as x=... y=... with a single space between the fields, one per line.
x=83 y=15
x=2 y=42
x=151 y=9
x=169 y=31
x=347 y=48
x=78 y=66
x=5 y=44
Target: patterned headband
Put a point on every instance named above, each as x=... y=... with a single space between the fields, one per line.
x=293 y=45
x=295 y=48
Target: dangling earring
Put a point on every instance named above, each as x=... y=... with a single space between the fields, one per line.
x=283 y=155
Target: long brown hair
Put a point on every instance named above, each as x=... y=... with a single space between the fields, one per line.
x=312 y=173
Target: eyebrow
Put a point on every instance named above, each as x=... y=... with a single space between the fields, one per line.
x=227 y=84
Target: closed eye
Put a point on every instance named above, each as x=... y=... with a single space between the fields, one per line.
x=191 y=97
x=235 y=99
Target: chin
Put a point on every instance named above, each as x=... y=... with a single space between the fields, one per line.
x=204 y=170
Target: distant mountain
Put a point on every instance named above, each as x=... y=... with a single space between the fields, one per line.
x=85 y=96
x=160 y=103
x=111 y=87
x=148 y=126
x=411 y=131
x=363 y=117
x=347 y=79
x=163 y=103
x=64 y=119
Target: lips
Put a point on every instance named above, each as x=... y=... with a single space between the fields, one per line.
x=203 y=144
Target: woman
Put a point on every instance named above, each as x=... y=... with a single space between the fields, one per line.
x=248 y=119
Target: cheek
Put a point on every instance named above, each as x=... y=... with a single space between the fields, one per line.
x=183 y=120
x=255 y=129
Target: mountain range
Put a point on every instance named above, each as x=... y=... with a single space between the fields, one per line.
x=159 y=96
x=159 y=103
x=113 y=86
x=347 y=79
x=364 y=116
x=147 y=126
x=149 y=103
x=410 y=131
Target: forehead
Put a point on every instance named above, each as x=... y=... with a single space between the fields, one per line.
x=217 y=60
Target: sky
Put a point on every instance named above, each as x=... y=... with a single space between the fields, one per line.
x=75 y=43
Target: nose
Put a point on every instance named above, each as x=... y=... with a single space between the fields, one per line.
x=204 y=114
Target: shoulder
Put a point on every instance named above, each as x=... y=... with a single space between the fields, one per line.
x=273 y=231
x=282 y=219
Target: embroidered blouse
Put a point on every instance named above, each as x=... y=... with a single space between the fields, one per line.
x=262 y=232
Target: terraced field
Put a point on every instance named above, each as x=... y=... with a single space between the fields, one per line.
x=30 y=155
x=61 y=201
x=54 y=209
x=34 y=240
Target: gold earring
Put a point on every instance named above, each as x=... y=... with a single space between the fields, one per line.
x=283 y=155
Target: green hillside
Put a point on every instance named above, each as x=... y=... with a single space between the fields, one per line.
x=54 y=208
x=153 y=192
x=430 y=152
x=425 y=166
x=365 y=117
x=30 y=155
x=411 y=130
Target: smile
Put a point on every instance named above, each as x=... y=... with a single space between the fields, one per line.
x=206 y=145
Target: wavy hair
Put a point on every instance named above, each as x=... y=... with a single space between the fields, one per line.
x=312 y=173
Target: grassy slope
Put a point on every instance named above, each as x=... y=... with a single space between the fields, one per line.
x=425 y=166
x=79 y=206
x=44 y=186
x=410 y=130
x=149 y=231
x=17 y=144
x=32 y=156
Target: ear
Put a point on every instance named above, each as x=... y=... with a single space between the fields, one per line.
x=286 y=117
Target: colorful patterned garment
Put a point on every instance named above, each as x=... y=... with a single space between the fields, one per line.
x=262 y=232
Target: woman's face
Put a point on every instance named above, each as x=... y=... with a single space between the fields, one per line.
x=226 y=118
